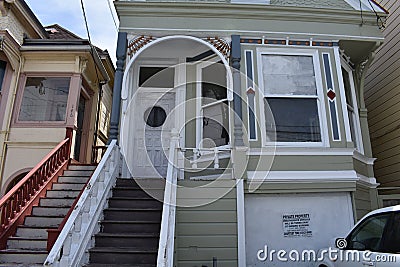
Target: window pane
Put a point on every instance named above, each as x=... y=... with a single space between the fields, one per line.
x=296 y=120
x=215 y=125
x=347 y=87
x=3 y=66
x=44 y=99
x=289 y=75
x=213 y=83
x=390 y=242
x=369 y=234
x=158 y=77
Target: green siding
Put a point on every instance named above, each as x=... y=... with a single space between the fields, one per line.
x=302 y=187
x=300 y=163
x=206 y=231
x=365 y=200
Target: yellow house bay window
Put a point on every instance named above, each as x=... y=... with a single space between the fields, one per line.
x=44 y=99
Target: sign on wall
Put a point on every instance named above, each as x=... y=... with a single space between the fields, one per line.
x=297 y=225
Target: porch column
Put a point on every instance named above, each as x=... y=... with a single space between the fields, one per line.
x=122 y=45
x=237 y=92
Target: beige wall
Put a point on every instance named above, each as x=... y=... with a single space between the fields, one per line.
x=383 y=100
x=25 y=149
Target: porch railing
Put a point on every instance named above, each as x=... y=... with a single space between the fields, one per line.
x=74 y=240
x=18 y=203
x=52 y=234
x=165 y=257
x=214 y=154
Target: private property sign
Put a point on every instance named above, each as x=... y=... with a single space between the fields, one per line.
x=296 y=225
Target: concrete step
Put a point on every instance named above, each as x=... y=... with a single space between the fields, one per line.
x=27 y=243
x=34 y=232
x=115 y=226
x=62 y=193
x=127 y=240
x=50 y=211
x=83 y=173
x=73 y=179
x=152 y=214
x=56 y=202
x=23 y=256
x=131 y=202
x=44 y=221
x=112 y=255
x=60 y=186
x=81 y=167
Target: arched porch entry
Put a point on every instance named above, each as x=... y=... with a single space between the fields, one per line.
x=174 y=82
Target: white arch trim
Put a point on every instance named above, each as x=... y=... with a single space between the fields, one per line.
x=125 y=89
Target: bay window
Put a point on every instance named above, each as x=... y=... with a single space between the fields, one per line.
x=291 y=98
x=352 y=107
x=44 y=99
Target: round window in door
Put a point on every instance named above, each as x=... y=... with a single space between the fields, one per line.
x=155 y=116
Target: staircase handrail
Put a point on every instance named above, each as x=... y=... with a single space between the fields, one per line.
x=165 y=257
x=70 y=249
x=19 y=201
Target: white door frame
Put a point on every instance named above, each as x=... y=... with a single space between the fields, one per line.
x=199 y=127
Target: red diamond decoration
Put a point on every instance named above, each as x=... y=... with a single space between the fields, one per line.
x=331 y=94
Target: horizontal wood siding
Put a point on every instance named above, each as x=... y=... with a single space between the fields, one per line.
x=383 y=100
x=365 y=200
x=206 y=231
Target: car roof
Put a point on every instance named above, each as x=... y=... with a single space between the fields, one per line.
x=382 y=210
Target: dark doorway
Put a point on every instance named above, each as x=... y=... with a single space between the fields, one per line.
x=79 y=130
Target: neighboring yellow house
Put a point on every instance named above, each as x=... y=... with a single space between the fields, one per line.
x=382 y=98
x=50 y=84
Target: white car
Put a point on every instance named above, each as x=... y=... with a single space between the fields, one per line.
x=373 y=241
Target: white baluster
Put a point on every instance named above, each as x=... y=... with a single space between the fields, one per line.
x=216 y=158
x=194 y=165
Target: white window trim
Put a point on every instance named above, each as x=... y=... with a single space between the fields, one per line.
x=334 y=100
x=199 y=106
x=255 y=97
x=357 y=124
x=161 y=64
x=320 y=95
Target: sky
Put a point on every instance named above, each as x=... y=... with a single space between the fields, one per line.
x=68 y=14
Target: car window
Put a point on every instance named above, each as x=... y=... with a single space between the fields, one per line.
x=390 y=242
x=368 y=235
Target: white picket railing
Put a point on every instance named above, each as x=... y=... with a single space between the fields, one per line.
x=165 y=256
x=74 y=239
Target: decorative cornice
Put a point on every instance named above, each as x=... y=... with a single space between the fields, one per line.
x=220 y=44
x=4 y=6
x=137 y=43
x=237 y=11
